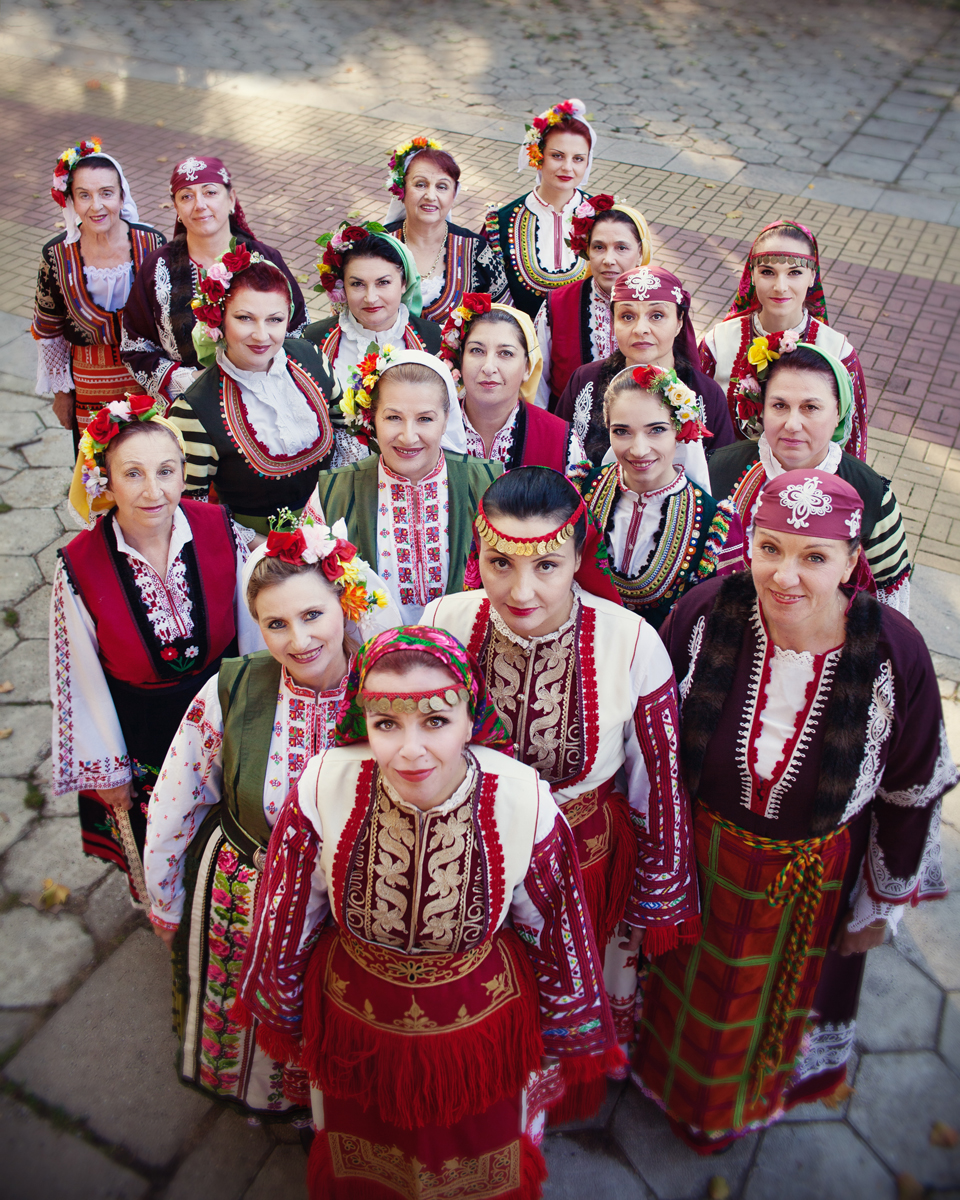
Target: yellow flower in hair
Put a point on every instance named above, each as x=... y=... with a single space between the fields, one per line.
x=760 y=353
x=351 y=571
x=363 y=398
x=554 y=118
x=353 y=601
x=379 y=598
x=348 y=403
x=324 y=268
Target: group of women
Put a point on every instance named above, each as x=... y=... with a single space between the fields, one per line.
x=365 y=663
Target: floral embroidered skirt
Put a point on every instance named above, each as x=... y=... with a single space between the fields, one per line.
x=217 y=1056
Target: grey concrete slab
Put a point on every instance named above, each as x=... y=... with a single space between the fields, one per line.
x=866 y=166
x=29 y=743
x=283 y=1178
x=899 y=1097
x=34 y=614
x=47 y=558
x=15 y=817
x=224 y=1163
x=113 y=1071
x=774 y=179
x=12 y=326
x=818 y=1111
x=19 y=356
x=897 y=131
x=828 y=1162
x=927 y=933
x=8 y=637
x=704 y=167
x=899 y=1007
x=589 y=1164
x=21 y=402
x=37 y=487
x=20 y=427
x=40 y=953
x=14 y=1026
x=27 y=530
x=54 y=449
x=636 y=152
x=26 y=667
x=949 y=1044
x=52 y=849
x=669 y=1167
x=921 y=208
x=19 y=576
x=880 y=147
x=39 y=1161
x=110 y=910
x=935 y=608
x=893 y=111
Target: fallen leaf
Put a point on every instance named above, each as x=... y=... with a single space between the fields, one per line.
x=303 y=279
x=811 y=186
x=4 y=818
x=163 y=158
x=93 y=85
x=733 y=214
x=19 y=174
x=165 y=204
x=29 y=149
x=909 y=1188
x=5 y=687
x=942 y=1135
x=842 y=1093
x=35 y=196
x=710 y=185
x=5 y=733
x=159 y=124
x=354 y=214
x=53 y=894
x=718 y=1188
x=181 y=145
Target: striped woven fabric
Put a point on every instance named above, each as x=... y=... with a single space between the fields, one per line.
x=99 y=378
x=723 y=1019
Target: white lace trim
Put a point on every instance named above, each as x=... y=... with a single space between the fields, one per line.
x=109 y=287
x=54 y=372
x=826 y=1048
x=693 y=651
x=897 y=598
x=944 y=777
x=582 y=408
x=879 y=724
x=163 y=292
x=927 y=883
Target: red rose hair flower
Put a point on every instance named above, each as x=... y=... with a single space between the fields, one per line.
x=102 y=429
x=342 y=552
x=140 y=405
x=237 y=259
x=476 y=302
x=288 y=547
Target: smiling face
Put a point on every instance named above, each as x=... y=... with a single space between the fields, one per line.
x=409 y=422
x=644 y=439
x=645 y=331
x=565 y=158
x=494 y=363
x=532 y=593
x=420 y=754
x=800 y=413
x=374 y=289
x=254 y=326
x=798 y=579
x=97 y=198
x=782 y=288
x=205 y=208
x=428 y=192
x=145 y=473
x=301 y=622
x=614 y=248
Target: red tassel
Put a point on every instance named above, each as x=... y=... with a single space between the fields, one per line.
x=691 y=931
x=281 y=1047
x=660 y=938
x=586 y=1085
x=533 y=1172
x=240 y=1014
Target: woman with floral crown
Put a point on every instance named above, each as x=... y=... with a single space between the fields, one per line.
x=256 y=422
x=531 y=233
x=813 y=746
x=423 y=181
x=575 y=321
x=410 y=505
x=804 y=414
x=588 y=697
x=652 y=327
x=779 y=303
x=146 y=601
x=494 y=353
x=242 y=745
x=85 y=277
x=664 y=532
x=420 y=945
x=158 y=320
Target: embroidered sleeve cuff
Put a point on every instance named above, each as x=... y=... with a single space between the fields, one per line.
x=91 y=781
x=160 y=923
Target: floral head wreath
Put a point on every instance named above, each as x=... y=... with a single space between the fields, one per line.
x=210 y=299
x=566 y=110
x=357 y=398
x=400 y=158
x=748 y=398
x=65 y=164
x=685 y=404
x=101 y=431
x=584 y=219
x=472 y=304
x=335 y=244
x=312 y=542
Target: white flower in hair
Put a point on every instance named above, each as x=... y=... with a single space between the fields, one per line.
x=806 y=500
x=120 y=409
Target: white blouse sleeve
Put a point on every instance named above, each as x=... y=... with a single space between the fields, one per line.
x=89 y=750
x=545 y=338
x=249 y=637
x=189 y=783
x=54 y=366
x=650 y=670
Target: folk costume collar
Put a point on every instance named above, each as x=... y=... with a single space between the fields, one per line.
x=279 y=412
x=773 y=469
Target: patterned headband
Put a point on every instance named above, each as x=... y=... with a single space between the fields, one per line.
x=400 y=158
x=410 y=702
x=544 y=544
x=792 y=260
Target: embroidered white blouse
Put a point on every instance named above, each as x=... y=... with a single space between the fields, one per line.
x=553 y=228
x=636 y=520
x=279 y=412
x=190 y=779
x=602 y=341
x=503 y=440
x=86 y=730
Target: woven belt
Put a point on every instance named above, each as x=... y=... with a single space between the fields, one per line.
x=251 y=849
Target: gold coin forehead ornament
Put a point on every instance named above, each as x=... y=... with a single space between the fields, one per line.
x=425 y=702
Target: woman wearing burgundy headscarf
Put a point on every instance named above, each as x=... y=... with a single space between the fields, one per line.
x=652 y=327
x=158 y=320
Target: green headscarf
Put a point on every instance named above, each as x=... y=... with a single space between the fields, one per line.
x=412 y=296
x=845 y=389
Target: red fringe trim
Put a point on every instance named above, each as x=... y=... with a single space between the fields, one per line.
x=660 y=938
x=607 y=884
x=586 y=1085
x=322 y=1184
x=281 y=1047
x=421 y=1079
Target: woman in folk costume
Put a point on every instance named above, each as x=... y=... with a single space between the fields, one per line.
x=240 y=748
x=586 y=691
x=663 y=530
x=780 y=296
x=423 y=182
x=494 y=353
x=813 y=745
x=256 y=423
x=575 y=322
x=805 y=413
x=85 y=277
x=531 y=232
x=421 y=941
x=145 y=603
x=158 y=319
x=409 y=507
x=652 y=328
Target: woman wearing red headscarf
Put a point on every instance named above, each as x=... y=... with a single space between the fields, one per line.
x=780 y=302
x=814 y=750
x=158 y=320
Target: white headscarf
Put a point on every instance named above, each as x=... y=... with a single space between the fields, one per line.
x=579 y=111
x=455 y=435
x=128 y=210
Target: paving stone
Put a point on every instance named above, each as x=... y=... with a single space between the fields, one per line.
x=25 y=531
x=34 y=614
x=899 y=1096
x=47 y=558
x=27 y=668
x=20 y=402
x=8 y=637
x=37 y=487
x=18 y=576
x=14 y=814
x=109 y=909
x=949 y=1044
x=53 y=806
x=665 y=1163
x=111 y=1073
x=53 y=449
x=899 y=1007
x=39 y=1160
x=41 y=953
x=284 y=1177
x=927 y=932
x=20 y=427
x=224 y=1163
x=51 y=850
x=935 y=608
x=14 y=1026
x=581 y=1164
x=866 y=166
x=829 y=1162
x=29 y=744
